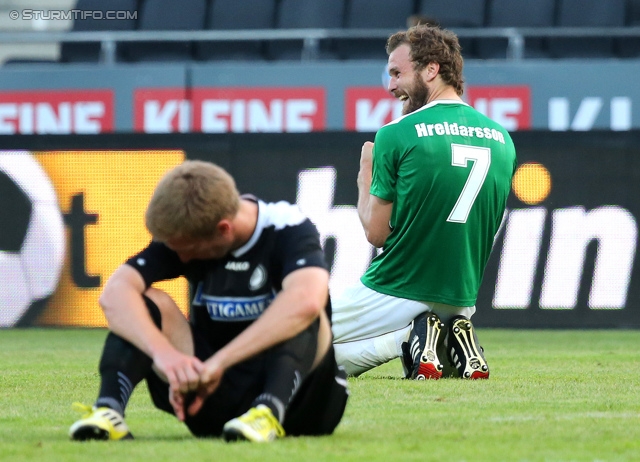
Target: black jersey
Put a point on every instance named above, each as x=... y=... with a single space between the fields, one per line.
x=230 y=293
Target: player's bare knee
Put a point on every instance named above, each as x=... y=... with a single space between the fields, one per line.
x=167 y=306
x=169 y=311
x=174 y=323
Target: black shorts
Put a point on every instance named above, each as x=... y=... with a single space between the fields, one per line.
x=319 y=405
x=316 y=409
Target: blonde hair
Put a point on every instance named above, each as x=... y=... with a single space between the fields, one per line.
x=190 y=200
x=429 y=43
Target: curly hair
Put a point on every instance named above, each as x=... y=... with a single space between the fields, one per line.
x=432 y=44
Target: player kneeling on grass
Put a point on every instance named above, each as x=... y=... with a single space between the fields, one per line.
x=432 y=191
x=255 y=360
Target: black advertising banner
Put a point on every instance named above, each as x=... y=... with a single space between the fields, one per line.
x=565 y=255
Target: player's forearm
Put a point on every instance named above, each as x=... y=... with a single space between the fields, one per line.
x=364 y=199
x=128 y=317
x=374 y=215
x=293 y=310
x=277 y=324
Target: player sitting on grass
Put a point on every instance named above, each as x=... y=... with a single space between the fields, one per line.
x=432 y=191
x=255 y=361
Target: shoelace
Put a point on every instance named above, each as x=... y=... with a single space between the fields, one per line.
x=260 y=419
x=82 y=409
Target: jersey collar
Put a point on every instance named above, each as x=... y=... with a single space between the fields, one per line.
x=443 y=101
x=260 y=224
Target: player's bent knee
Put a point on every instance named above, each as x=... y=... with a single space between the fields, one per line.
x=173 y=323
x=164 y=303
x=351 y=359
x=162 y=299
x=154 y=311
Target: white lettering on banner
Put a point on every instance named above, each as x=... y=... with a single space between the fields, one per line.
x=519 y=258
x=502 y=110
x=8 y=114
x=262 y=119
x=621 y=113
x=47 y=121
x=85 y=115
x=26 y=120
x=167 y=117
x=587 y=113
x=370 y=117
x=239 y=116
x=615 y=230
x=612 y=227
x=60 y=118
x=212 y=112
x=297 y=115
x=316 y=189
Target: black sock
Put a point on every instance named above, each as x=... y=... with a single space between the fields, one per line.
x=123 y=366
x=288 y=365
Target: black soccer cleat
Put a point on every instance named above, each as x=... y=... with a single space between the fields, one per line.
x=420 y=355
x=466 y=354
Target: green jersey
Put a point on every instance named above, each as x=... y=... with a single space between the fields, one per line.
x=447 y=169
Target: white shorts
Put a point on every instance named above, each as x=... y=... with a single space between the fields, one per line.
x=361 y=313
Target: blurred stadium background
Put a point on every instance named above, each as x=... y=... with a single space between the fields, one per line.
x=106 y=95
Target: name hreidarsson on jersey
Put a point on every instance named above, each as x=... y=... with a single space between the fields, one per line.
x=446 y=128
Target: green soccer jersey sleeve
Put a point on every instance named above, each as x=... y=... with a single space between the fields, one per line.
x=383 y=180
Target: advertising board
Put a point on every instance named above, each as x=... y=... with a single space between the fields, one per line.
x=565 y=255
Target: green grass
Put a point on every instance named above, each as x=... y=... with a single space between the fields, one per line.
x=552 y=396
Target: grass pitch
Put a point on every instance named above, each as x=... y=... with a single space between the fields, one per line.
x=552 y=396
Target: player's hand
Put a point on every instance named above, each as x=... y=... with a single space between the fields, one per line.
x=366 y=154
x=180 y=370
x=366 y=166
x=176 y=398
x=210 y=379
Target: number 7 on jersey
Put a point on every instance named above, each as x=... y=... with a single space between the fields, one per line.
x=460 y=157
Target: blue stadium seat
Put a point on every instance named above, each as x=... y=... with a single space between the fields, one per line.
x=306 y=14
x=587 y=13
x=373 y=14
x=517 y=13
x=234 y=15
x=170 y=15
x=90 y=51
x=629 y=47
x=452 y=14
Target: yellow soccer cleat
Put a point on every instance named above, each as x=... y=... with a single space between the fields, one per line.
x=258 y=424
x=99 y=424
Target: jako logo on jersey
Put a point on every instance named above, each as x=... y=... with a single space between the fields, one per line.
x=237 y=266
x=233 y=308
